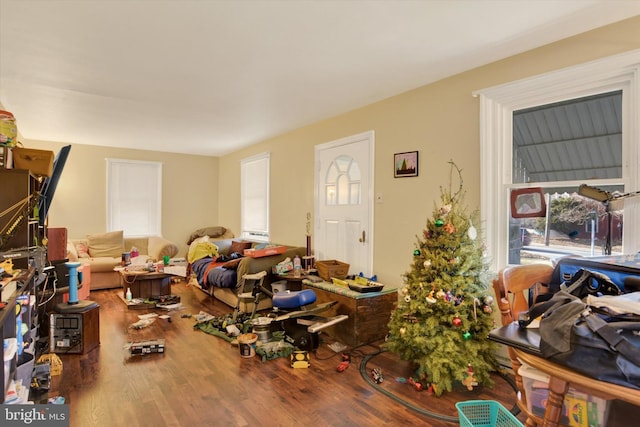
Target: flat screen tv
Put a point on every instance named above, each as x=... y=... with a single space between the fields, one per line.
x=50 y=183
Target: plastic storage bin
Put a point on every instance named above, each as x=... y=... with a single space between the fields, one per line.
x=10 y=348
x=579 y=409
x=485 y=413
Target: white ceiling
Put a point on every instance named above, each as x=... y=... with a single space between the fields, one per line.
x=211 y=76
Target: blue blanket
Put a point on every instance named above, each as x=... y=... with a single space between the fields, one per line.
x=217 y=276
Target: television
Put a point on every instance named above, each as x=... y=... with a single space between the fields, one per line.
x=50 y=183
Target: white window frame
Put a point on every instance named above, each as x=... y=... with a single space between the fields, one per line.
x=497 y=104
x=254 y=197
x=134 y=184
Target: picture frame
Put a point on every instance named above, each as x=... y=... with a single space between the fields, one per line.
x=528 y=203
x=405 y=164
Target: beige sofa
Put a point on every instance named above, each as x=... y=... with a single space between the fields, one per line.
x=103 y=252
x=248 y=265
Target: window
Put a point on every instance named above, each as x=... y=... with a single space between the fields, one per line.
x=134 y=193
x=510 y=160
x=254 y=197
x=342 y=183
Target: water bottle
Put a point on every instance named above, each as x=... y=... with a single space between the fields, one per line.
x=128 y=295
x=297 y=266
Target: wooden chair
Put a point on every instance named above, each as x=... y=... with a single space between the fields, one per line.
x=515 y=287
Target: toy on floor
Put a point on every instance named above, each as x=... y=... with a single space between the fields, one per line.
x=145 y=347
x=376 y=374
x=346 y=361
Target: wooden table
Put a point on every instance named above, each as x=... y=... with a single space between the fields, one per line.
x=561 y=378
x=145 y=284
x=369 y=313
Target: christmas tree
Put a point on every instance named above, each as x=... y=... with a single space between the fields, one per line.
x=444 y=315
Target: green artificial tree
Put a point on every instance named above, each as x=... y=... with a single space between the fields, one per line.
x=444 y=315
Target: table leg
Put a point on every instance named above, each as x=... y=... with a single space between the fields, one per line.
x=553 y=412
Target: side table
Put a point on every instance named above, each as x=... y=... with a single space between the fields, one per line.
x=145 y=284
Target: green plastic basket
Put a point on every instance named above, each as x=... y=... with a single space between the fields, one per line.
x=485 y=413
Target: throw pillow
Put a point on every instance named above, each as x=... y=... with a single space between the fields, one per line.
x=207 y=231
x=239 y=247
x=83 y=250
x=72 y=253
x=109 y=244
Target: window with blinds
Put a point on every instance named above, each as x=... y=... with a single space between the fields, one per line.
x=255 y=197
x=134 y=197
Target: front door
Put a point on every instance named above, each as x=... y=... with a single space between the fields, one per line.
x=344 y=202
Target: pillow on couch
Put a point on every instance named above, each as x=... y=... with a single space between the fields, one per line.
x=207 y=231
x=109 y=244
x=72 y=253
x=239 y=247
x=83 y=250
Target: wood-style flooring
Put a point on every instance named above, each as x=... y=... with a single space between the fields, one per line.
x=201 y=380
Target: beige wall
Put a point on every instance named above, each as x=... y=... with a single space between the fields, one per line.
x=189 y=184
x=440 y=120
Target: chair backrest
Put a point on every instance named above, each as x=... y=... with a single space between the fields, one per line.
x=517 y=285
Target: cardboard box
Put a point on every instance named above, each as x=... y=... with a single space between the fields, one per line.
x=332 y=268
x=579 y=409
x=259 y=253
x=282 y=267
x=39 y=162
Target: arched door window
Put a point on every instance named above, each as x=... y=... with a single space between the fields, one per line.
x=342 y=184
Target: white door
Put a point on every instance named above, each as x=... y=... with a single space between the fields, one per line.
x=344 y=202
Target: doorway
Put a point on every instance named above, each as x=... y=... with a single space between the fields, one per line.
x=344 y=202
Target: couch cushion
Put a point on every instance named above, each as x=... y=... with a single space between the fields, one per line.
x=104 y=264
x=140 y=243
x=109 y=244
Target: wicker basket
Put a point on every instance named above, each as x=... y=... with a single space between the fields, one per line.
x=485 y=413
x=332 y=268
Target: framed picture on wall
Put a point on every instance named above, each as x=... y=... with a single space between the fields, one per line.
x=405 y=164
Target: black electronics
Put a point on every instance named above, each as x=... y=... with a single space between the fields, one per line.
x=623 y=270
x=74 y=332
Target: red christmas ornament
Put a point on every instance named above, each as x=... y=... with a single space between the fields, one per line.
x=457 y=322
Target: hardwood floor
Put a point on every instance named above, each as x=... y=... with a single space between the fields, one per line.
x=201 y=380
